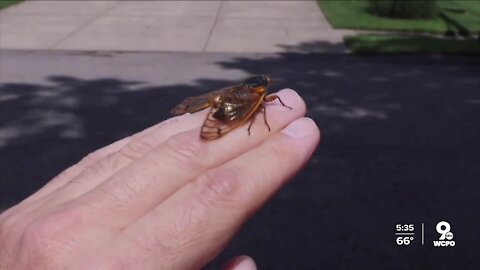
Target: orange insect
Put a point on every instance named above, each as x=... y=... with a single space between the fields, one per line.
x=230 y=107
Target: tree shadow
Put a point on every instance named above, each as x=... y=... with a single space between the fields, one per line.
x=399 y=146
x=453 y=26
x=49 y=127
x=384 y=44
x=315 y=47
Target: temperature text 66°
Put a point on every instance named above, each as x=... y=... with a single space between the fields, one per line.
x=404 y=240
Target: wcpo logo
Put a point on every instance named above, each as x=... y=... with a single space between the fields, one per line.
x=446 y=236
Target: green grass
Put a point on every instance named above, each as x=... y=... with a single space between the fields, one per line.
x=6 y=3
x=353 y=14
x=387 y=44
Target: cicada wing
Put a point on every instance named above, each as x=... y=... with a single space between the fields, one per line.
x=190 y=105
x=197 y=103
x=213 y=128
x=224 y=117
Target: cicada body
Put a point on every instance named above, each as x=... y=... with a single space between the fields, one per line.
x=231 y=107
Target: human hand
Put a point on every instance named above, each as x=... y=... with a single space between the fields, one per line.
x=160 y=199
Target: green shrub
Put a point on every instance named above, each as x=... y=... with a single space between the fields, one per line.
x=405 y=9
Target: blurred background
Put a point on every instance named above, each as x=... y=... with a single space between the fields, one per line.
x=393 y=84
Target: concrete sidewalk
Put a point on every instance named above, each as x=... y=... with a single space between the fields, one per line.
x=198 y=26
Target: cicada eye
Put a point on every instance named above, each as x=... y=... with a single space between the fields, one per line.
x=258 y=80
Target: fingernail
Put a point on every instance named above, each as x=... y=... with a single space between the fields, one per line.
x=242 y=263
x=287 y=90
x=300 y=128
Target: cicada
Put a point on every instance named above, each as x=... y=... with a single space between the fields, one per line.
x=230 y=107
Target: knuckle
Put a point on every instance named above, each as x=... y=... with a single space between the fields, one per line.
x=135 y=149
x=104 y=168
x=36 y=237
x=46 y=238
x=99 y=154
x=191 y=219
x=36 y=233
x=10 y=222
x=45 y=228
x=143 y=244
x=7 y=222
x=220 y=188
x=90 y=158
x=186 y=150
x=116 y=196
x=175 y=237
x=68 y=173
x=100 y=169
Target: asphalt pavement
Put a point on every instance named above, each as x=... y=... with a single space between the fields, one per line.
x=399 y=144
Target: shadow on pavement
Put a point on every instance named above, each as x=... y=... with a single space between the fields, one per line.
x=399 y=146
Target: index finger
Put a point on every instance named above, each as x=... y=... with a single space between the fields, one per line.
x=146 y=182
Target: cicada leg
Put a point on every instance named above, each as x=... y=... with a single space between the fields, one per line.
x=263 y=109
x=265 y=117
x=251 y=121
x=273 y=97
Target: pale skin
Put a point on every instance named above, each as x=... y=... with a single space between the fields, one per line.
x=160 y=199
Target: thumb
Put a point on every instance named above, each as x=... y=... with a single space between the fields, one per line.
x=240 y=263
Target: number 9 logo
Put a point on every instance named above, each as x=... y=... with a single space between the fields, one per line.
x=443 y=228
